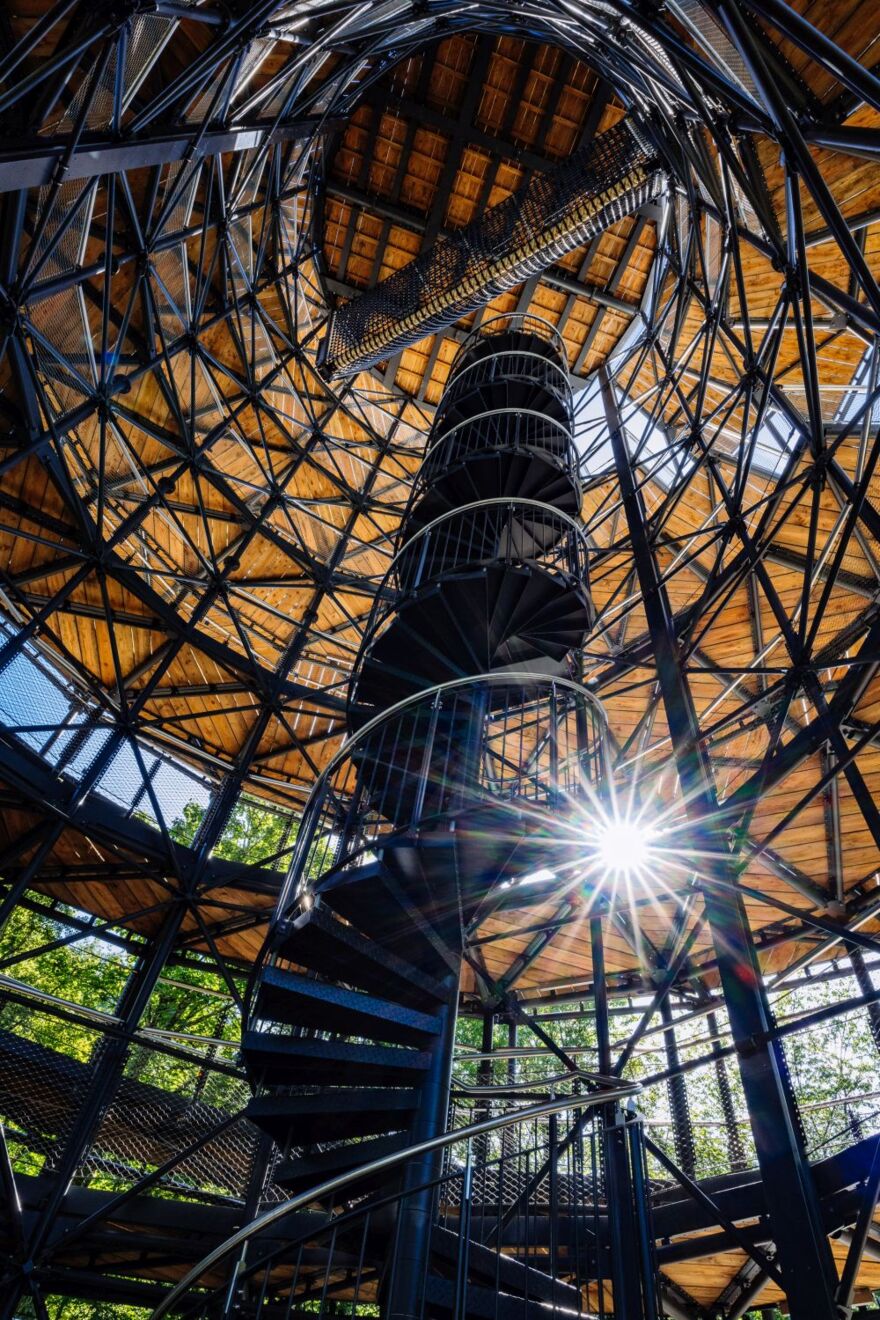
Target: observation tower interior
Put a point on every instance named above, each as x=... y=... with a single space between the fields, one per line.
x=439 y=659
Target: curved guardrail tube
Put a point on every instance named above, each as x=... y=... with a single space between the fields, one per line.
x=332 y=1186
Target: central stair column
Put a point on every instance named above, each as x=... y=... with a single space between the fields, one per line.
x=412 y=1240
x=633 y=1280
x=416 y=1211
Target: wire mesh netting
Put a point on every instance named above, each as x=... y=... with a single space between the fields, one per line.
x=165 y=1111
x=44 y=709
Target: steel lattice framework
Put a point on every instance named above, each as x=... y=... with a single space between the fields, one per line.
x=195 y=524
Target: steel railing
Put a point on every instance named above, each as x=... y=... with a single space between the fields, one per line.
x=559 y=722
x=508 y=364
x=500 y=531
x=504 y=322
x=317 y=1283
x=512 y=428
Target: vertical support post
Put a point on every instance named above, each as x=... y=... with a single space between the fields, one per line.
x=483 y=1109
x=632 y=1290
x=467 y=756
x=464 y=1237
x=553 y=736
x=735 y=1152
x=413 y=1237
x=644 y=1218
x=682 y=1129
x=803 y=1251
x=484 y=1072
x=507 y=1133
x=553 y=1155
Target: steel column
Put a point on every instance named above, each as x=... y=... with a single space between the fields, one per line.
x=682 y=1128
x=735 y=1152
x=803 y=1251
x=412 y=1239
x=632 y=1283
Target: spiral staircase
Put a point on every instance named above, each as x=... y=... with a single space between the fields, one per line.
x=466 y=728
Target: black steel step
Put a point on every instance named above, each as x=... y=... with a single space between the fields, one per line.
x=503 y=591
x=544 y=601
x=491 y=842
x=496 y=473
x=383 y=912
x=288 y=1060
x=512 y=1275
x=301 y=1001
x=563 y=618
x=305 y=1119
x=472 y=623
x=463 y=402
x=487 y=1304
x=327 y=945
x=302 y=1172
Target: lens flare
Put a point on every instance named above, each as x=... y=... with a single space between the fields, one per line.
x=623 y=848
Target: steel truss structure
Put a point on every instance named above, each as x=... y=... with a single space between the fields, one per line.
x=196 y=526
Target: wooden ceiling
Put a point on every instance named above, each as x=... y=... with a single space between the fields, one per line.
x=451 y=131
x=282 y=508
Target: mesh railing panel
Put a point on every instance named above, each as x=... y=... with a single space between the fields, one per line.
x=146 y=1125
x=43 y=1092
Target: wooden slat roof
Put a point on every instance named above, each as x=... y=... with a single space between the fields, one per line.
x=297 y=475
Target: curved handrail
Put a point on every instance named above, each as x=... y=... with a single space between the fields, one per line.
x=382 y=606
x=511 y=500
x=474 y=336
x=477 y=1091
x=515 y=410
x=566 y=462
x=456 y=375
x=503 y=678
x=331 y=1186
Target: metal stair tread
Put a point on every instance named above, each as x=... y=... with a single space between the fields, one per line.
x=332 y=1007
x=300 y=1059
x=389 y=917
x=532 y=473
x=309 y=1170
x=453 y=637
x=317 y=1117
x=487 y=1304
x=511 y=1273
x=353 y=955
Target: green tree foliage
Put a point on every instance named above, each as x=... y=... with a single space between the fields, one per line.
x=830 y=1061
x=253 y=834
x=88 y=972
x=70 y=1308
x=827 y=1062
